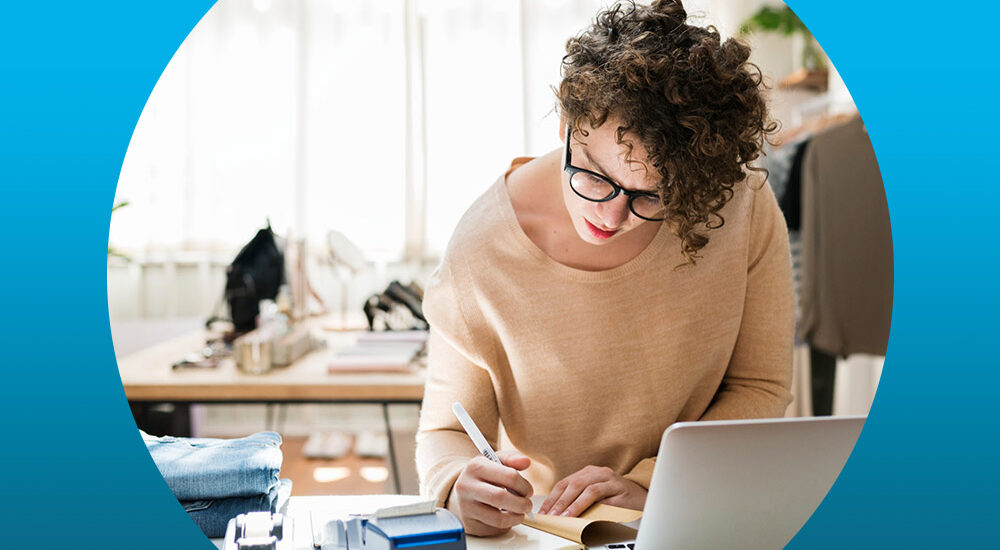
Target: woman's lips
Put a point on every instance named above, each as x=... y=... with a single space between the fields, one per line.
x=597 y=232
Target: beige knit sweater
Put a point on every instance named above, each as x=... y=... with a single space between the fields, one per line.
x=589 y=368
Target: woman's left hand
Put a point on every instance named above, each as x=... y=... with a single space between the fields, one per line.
x=577 y=492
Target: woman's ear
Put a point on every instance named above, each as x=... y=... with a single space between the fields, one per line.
x=562 y=127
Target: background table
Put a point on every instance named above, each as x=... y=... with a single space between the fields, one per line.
x=147 y=378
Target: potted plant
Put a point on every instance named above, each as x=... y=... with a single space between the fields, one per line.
x=783 y=21
x=112 y=251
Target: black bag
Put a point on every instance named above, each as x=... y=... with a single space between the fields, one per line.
x=256 y=274
x=399 y=307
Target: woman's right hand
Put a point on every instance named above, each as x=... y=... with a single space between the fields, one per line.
x=480 y=497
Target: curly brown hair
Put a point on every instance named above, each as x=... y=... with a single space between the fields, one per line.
x=694 y=101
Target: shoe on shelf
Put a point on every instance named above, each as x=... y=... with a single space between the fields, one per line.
x=372 y=445
x=338 y=445
x=328 y=445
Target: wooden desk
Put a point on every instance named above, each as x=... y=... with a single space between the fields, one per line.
x=147 y=377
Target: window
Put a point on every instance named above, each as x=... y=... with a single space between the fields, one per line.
x=334 y=115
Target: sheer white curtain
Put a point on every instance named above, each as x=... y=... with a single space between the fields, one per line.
x=305 y=112
x=214 y=150
x=355 y=120
x=474 y=120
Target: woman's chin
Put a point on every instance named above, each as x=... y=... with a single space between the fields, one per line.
x=592 y=234
x=588 y=238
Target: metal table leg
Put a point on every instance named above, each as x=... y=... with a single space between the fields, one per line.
x=392 y=449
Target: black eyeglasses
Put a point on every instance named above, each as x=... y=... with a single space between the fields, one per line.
x=597 y=188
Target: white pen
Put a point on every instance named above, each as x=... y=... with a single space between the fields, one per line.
x=478 y=440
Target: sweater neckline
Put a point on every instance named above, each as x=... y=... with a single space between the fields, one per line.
x=511 y=224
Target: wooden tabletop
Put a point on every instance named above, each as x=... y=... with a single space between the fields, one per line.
x=147 y=376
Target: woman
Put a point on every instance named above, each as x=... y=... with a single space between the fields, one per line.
x=636 y=277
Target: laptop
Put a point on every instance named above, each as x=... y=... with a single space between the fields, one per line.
x=747 y=484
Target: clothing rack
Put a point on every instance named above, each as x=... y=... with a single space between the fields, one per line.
x=826 y=179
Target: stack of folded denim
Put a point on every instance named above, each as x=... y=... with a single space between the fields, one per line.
x=218 y=479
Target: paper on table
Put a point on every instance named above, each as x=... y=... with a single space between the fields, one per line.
x=370 y=363
x=522 y=537
x=375 y=356
x=600 y=524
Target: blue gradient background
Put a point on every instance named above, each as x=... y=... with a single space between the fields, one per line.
x=74 y=77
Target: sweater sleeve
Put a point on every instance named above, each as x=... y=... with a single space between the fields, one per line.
x=456 y=372
x=757 y=381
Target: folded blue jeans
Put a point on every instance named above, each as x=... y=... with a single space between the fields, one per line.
x=203 y=468
x=212 y=516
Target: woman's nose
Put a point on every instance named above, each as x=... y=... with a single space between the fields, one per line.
x=614 y=212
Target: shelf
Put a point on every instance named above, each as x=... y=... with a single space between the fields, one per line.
x=805 y=79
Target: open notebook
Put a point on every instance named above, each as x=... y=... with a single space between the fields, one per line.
x=600 y=524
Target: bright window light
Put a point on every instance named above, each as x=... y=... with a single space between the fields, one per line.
x=331 y=474
x=375 y=474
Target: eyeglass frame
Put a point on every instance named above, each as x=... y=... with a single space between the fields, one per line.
x=616 y=189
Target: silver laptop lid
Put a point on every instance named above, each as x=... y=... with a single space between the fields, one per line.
x=743 y=484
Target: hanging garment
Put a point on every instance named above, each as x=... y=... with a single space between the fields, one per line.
x=778 y=163
x=791 y=200
x=784 y=169
x=846 y=245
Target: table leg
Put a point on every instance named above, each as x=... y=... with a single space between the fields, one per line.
x=392 y=449
x=282 y=414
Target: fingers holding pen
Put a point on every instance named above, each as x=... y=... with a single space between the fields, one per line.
x=489 y=493
x=500 y=486
x=510 y=478
x=490 y=498
x=499 y=519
